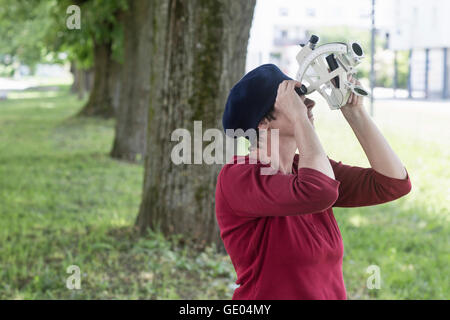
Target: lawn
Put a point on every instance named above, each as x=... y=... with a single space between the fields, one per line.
x=64 y=202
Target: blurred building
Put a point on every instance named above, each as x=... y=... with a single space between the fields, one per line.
x=280 y=26
x=422 y=28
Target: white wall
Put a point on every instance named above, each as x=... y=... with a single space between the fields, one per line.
x=420 y=24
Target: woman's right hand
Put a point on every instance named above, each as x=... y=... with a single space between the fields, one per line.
x=289 y=102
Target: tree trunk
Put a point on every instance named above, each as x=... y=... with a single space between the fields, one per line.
x=200 y=50
x=88 y=79
x=78 y=81
x=73 y=71
x=106 y=78
x=115 y=84
x=131 y=125
x=81 y=84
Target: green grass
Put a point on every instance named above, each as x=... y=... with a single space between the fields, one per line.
x=64 y=202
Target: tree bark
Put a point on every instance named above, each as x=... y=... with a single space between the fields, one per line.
x=131 y=125
x=73 y=71
x=200 y=50
x=103 y=98
x=78 y=86
x=88 y=79
x=81 y=84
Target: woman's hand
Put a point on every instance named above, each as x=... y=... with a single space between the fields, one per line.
x=354 y=101
x=288 y=101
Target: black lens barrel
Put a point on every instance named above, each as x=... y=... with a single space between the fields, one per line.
x=302 y=90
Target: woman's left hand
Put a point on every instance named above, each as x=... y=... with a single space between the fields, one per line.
x=353 y=100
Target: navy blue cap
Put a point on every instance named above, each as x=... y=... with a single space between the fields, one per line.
x=252 y=97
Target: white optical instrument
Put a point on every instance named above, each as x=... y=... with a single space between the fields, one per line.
x=326 y=69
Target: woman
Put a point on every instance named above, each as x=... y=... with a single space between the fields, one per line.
x=279 y=229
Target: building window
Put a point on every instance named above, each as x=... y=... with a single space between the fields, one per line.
x=435 y=17
x=311 y=12
x=284 y=12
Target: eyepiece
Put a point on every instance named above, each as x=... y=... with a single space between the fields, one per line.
x=302 y=90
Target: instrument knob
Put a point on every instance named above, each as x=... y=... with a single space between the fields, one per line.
x=314 y=39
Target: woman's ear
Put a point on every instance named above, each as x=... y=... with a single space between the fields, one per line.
x=263 y=124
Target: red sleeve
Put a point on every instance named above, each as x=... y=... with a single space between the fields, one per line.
x=365 y=186
x=250 y=194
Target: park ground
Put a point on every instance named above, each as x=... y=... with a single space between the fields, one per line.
x=64 y=201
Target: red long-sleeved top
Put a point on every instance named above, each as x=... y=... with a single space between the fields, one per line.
x=280 y=231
